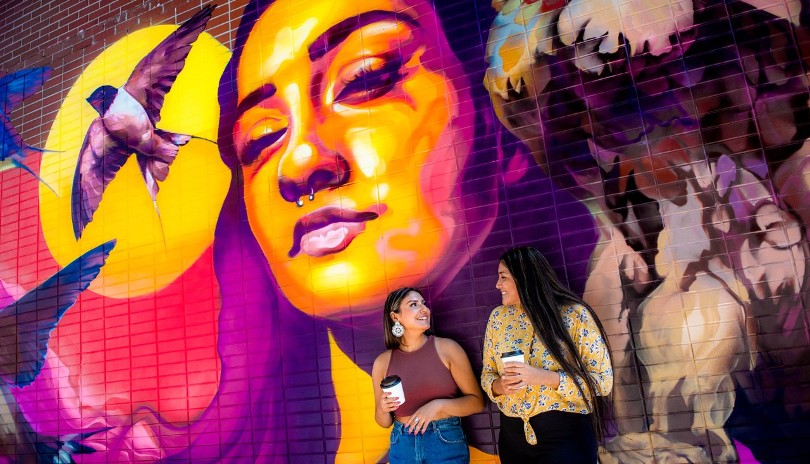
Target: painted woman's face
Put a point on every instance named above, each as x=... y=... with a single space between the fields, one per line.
x=352 y=139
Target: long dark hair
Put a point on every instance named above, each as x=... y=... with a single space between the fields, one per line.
x=542 y=294
x=392 y=303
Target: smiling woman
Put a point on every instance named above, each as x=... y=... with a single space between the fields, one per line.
x=353 y=135
x=361 y=158
x=437 y=386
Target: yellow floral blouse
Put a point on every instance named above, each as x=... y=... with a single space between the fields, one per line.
x=509 y=329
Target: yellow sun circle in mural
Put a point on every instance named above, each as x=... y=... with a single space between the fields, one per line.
x=155 y=242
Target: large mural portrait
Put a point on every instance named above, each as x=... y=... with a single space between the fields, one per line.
x=204 y=206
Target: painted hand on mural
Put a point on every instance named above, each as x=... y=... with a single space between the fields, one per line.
x=127 y=123
x=694 y=170
x=14 y=88
x=25 y=329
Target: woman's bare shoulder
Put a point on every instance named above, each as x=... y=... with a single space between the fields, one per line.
x=448 y=347
x=380 y=365
x=383 y=359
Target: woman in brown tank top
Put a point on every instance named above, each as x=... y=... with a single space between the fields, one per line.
x=437 y=381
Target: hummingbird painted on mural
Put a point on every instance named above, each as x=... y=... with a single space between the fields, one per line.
x=25 y=329
x=14 y=88
x=127 y=124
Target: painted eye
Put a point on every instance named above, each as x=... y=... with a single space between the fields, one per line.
x=261 y=136
x=369 y=78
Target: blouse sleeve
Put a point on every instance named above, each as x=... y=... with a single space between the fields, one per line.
x=592 y=350
x=489 y=372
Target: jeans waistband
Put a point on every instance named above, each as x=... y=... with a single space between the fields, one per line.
x=446 y=422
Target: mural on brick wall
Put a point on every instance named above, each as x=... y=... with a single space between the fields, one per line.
x=266 y=186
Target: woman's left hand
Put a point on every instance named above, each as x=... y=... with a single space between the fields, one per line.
x=419 y=420
x=531 y=375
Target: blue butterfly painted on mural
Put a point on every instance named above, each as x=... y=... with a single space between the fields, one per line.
x=25 y=329
x=14 y=88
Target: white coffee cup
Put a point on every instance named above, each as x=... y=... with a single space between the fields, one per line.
x=512 y=356
x=393 y=384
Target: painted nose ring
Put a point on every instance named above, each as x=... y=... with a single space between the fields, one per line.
x=300 y=203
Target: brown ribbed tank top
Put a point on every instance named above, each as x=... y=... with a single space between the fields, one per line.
x=424 y=377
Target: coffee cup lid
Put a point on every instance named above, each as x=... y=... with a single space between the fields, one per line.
x=390 y=381
x=512 y=353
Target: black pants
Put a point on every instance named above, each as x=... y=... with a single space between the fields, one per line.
x=562 y=437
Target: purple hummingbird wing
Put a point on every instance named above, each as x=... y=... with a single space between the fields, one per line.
x=20 y=85
x=26 y=325
x=100 y=159
x=153 y=77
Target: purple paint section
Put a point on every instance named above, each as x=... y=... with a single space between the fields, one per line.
x=745 y=454
x=267 y=408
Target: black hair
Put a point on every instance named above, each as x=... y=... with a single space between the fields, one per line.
x=542 y=295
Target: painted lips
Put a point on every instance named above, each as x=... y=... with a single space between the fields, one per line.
x=328 y=230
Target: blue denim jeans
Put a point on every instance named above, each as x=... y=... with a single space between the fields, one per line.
x=442 y=443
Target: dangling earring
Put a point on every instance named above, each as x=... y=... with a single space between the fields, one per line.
x=397 y=330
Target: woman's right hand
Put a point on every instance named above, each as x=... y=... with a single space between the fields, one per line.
x=388 y=403
x=507 y=385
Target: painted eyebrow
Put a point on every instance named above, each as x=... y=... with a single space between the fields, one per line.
x=325 y=42
x=336 y=34
x=254 y=98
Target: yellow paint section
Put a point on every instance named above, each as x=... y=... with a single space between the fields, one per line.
x=152 y=250
x=362 y=441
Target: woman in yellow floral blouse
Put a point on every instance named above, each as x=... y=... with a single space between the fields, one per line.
x=553 y=404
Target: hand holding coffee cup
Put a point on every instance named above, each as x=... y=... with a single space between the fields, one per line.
x=392 y=385
x=511 y=381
